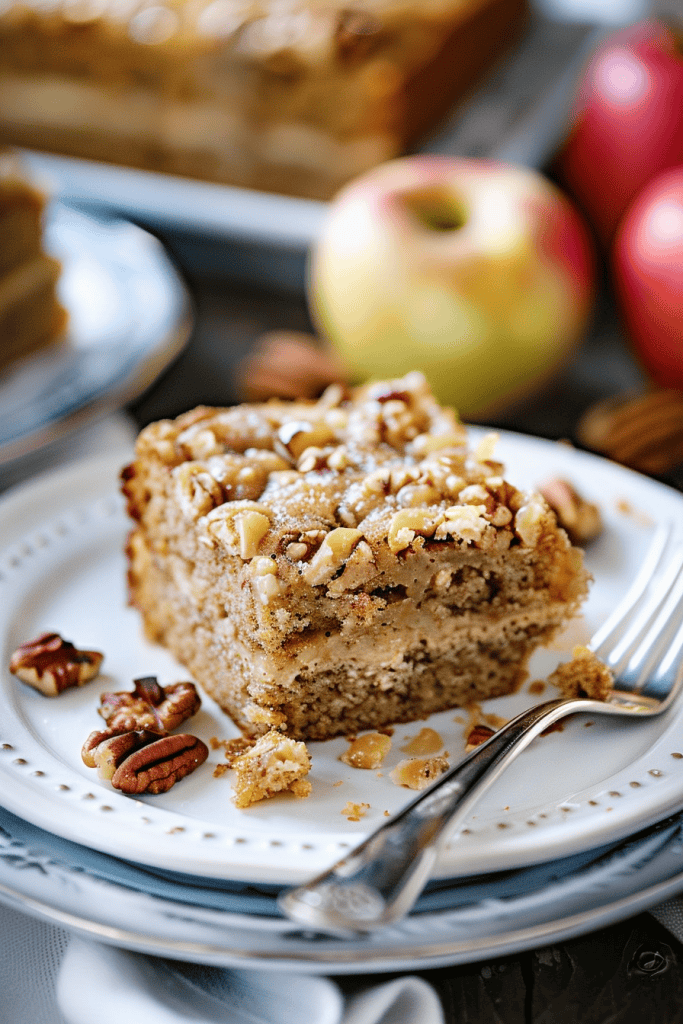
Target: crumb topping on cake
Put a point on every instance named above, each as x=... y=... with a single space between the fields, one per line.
x=328 y=491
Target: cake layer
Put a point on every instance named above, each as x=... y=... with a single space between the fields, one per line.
x=326 y=567
x=293 y=97
x=21 y=209
x=30 y=315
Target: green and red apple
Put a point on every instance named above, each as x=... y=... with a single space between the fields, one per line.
x=480 y=274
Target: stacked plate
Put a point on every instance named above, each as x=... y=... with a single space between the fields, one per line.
x=581 y=830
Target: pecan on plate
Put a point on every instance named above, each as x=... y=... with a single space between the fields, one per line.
x=477 y=735
x=157 y=767
x=51 y=664
x=149 y=706
x=580 y=518
x=106 y=750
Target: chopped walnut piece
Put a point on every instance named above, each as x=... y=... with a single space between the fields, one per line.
x=367 y=751
x=274 y=764
x=51 y=664
x=418 y=772
x=584 y=676
x=580 y=518
x=354 y=811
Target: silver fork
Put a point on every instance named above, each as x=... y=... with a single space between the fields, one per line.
x=379 y=881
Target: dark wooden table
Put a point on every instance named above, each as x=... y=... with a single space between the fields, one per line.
x=629 y=972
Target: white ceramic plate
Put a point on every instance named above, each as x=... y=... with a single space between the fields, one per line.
x=571 y=790
x=510 y=912
x=129 y=317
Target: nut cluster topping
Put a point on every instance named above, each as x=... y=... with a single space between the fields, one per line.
x=335 y=486
x=136 y=752
x=51 y=664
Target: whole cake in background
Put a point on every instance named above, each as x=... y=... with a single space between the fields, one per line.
x=289 y=96
x=323 y=567
x=30 y=314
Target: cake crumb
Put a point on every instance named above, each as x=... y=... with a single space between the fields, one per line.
x=274 y=764
x=584 y=676
x=339 y=783
x=427 y=741
x=537 y=686
x=353 y=811
x=418 y=772
x=367 y=751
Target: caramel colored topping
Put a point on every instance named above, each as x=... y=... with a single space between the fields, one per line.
x=426 y=742
x=418 y=772
x=367 y=751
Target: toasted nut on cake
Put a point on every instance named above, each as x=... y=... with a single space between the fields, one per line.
x=156 y=767
x=51 y=664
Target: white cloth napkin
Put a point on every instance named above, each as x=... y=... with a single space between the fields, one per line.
x=48 y=976
x=131 y=987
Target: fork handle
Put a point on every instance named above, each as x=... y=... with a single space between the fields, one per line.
x=380 y=880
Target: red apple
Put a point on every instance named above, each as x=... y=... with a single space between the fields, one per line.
x=647 y=269
x=478 y=273
x=627 y=123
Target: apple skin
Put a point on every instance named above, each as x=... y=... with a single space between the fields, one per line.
x=627 y=123
x=479 y=274
x=647 y=271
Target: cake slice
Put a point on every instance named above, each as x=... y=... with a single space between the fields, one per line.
x=331 y=566
x=30 y=314
x=289 y=96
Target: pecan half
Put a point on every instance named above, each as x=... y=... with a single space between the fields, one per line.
x=580 y=518
x=150 y=706
x=181 y=701
x=51 y=664
x=157 y=767
x=107 y=750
